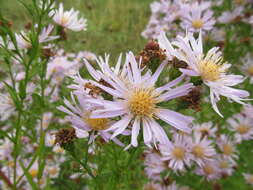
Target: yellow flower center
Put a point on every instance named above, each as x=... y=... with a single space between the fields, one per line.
x=64 y=20
x=198 y=151
x=96 y=124
x=250 y=70
x=208 y=169
x=197 y=24
x=53 y=171
x=242 y=129
x=227 y=149
x=33 y=172
x=204 y=131
x=223 y=164
x=179 y=153
x=142 y=103
x=10 y=164
x=239 y=2
x=250 y=179
x=209 y=70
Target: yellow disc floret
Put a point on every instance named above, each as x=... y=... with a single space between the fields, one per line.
x=197 y=24
x=198 y=151
x=96 y=123
x=142 y=102
x=179 y=153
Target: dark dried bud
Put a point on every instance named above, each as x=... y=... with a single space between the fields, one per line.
x=65 y=136
x=94 y=90
x=152 y=54
x=28 y=25
x=167 y=181
x=178 y=63
x=193 y=99
x=47 y=53
x=217 y=186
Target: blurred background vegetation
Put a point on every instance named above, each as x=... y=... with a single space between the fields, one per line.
x=114 y=26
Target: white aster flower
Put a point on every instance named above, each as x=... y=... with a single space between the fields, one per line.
x=242 y=126
x=79 y=115
x=249 y=178
x=68 y=19
x=136 y=99
x=210 y=170
x=201 y=149
x=196 y=18
x=24 y=41
x=210 y=67
x=205 y=129
x=226 y=166
x=154 y=165
x=228 y=147
x=229 y=16
x=177 y=153
x=7 y=107
x=247 y=67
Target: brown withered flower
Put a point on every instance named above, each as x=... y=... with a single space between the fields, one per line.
x=176 y=63
x=65 y=136
x=151 y=52
x=193 y=98
x=94 y=90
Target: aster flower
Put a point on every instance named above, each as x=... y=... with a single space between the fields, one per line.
x=247 y=67
x=229 y=16
x=205 y=129
x=152 y=186
x=79 y=115
x=196 y=17
x=226 y=166
x=210 y=67
x=228 y=147
x=210 y=170
x=201 y=149
x=177 y=153
x=68 y=19
x=248 y=110
x=24 y=41
x=242 y=126
x=154 y=165
x=248 y=177
x=136 y=99
x=7 y=107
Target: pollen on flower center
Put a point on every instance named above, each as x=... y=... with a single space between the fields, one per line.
x=64 y=20
x=33 y=172
x=227 y=149
x=197 y=24
x=250 y=70
x=239 y=2
x=179 y=153
x=209 y=70
x=198 y=151
x=208 y=169
x=242 y=129
x=97 y=123
x=142 y=103
x=223 y=164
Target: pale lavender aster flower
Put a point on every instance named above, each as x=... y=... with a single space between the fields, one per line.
x=210 y=67
x=177 y=153
x=249 y=178
x=228 y=147
x=68 y=19
x=205 y=129
x=197 y=17
x=79 y=114
x=136 y=99
x=201 y=149
x=210 y=170
x=242 y=126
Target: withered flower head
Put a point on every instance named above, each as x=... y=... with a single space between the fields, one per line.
x=178 y=63
x=193 y=99
x=152 y=54
x=65 y=136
